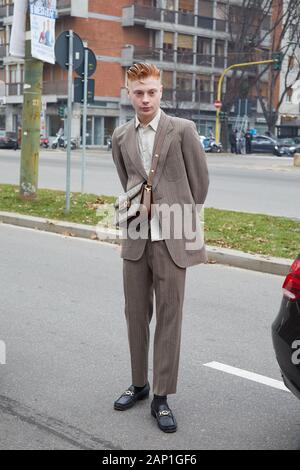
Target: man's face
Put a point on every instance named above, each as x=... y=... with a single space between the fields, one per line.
x=145 y=97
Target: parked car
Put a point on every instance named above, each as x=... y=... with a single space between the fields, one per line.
x=286 y=330
x=288 y=146
x=279 y=147
x=264 y=144
x=8 y=140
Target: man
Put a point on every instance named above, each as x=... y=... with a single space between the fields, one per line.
x=157 y=262
x=233 y=141
x=248 y=139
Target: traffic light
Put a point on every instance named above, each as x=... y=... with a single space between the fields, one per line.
x=222 y=116
x=61 y=111
x=277 y=57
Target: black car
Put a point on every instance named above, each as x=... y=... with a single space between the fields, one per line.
x=279 y=147
x=8 y=140
x=286 y=330
x=264 y=144
x=288 y=147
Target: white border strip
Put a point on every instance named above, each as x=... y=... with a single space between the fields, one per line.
x=247 y=375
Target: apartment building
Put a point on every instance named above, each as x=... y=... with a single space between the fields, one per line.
x=187 y=39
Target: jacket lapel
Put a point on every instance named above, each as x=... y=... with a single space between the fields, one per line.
x=132 y=149
x=163 y=139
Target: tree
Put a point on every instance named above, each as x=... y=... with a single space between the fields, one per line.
x=257 y=28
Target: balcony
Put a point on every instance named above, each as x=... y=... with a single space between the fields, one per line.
x=14 y=89
x=59 y=87
x=2 y=13
x=2 y=51
x=184 y=95
x=220 y=62
x=139 y=14
x=187 y=19
x=205 y=60
x=64 y=7
x=204 y=97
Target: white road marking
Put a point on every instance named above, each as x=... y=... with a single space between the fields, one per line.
x=247 y=375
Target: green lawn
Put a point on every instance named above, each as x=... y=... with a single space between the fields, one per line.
x=252 y=233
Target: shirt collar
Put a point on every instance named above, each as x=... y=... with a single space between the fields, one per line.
x=153 y=123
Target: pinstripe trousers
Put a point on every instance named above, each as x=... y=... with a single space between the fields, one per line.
x=155 y=272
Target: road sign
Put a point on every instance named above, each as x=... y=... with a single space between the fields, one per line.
x=92 y=64
x=218 y=104
x=79 y=91
x=62 y=50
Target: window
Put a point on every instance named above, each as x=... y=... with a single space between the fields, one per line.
x=186 y=6
x=169 y=5
x=185 y=49
x=205 y=8
x=204 y=51
x=291 y=63
x=167 y=80
x=168 y=47
x=203 y=93
x=289 y=95
x=184 y=85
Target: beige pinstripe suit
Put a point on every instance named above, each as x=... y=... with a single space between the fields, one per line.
x=160 y=266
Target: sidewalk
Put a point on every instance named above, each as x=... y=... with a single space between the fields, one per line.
x=239 y=259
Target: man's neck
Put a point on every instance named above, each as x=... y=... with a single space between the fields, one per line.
x=145 y=123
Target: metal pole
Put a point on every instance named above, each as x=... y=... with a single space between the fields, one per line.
x=245 y=64
x=69 y=121
x=84 y=123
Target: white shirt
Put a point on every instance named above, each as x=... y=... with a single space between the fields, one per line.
x=145 y=140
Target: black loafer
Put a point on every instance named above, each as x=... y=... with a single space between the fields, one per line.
x=165 y=419
x=129 y=398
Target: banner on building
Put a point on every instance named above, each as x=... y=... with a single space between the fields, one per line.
x=17 y=38
x=42 y=24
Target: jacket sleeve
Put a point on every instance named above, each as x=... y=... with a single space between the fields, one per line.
x=118 y=160
x=195 y=163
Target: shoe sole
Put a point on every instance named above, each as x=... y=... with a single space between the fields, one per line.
x=130 y=405
x=169 y=430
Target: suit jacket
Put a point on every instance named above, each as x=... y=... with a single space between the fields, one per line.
x=181 y=178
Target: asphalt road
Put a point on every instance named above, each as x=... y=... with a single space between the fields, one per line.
x=61 y=317
x=262 y=184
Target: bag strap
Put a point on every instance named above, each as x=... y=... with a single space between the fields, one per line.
x=155 y=157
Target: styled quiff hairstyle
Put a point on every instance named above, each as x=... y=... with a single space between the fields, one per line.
x=141 y=71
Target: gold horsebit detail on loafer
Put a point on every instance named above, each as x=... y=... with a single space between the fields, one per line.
x=164 y=413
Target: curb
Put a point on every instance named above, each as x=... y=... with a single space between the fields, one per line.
x=225 y=256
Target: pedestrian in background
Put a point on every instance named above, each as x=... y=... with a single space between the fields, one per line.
x=233 y=141
x=248 y=140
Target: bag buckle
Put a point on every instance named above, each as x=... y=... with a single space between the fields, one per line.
x=147 y=187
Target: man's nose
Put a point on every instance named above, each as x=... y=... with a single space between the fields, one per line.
x=145 y=98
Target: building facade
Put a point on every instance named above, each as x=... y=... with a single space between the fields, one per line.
x=187 y=39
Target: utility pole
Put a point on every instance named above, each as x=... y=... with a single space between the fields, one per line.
x=274 y=60
x=31 y=121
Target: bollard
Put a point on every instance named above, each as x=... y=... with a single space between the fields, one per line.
x=297 y=159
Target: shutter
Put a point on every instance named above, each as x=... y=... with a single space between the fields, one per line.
x=168 y=38
x=185 y=41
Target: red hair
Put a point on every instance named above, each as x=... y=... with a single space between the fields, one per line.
x=141 y=71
